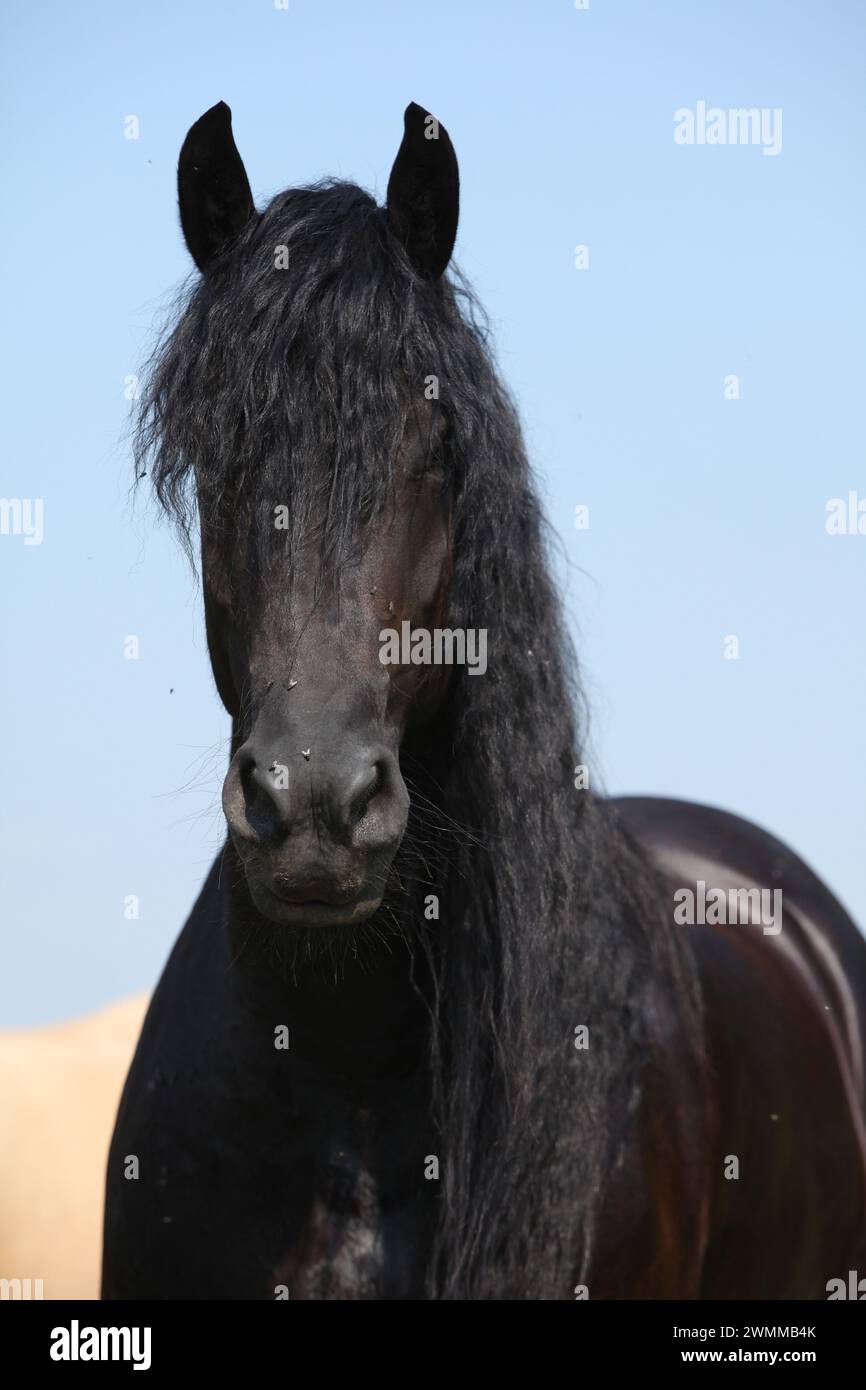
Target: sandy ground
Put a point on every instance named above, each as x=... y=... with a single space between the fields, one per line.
x=59 y=1089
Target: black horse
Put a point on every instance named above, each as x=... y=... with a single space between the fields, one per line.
x=440 y=1025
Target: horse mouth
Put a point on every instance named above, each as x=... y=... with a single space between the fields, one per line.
x=311 y=912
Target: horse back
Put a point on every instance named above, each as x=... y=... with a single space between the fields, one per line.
x=785 y=1022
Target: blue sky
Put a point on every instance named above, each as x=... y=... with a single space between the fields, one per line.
x=707 y=515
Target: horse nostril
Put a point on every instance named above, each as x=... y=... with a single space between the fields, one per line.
x=377 y=805
x=252 y=804
x=248 y=783
x=361 y=799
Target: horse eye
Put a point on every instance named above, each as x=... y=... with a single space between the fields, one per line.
x=429 y=465
x=445 y=434
x=431 y=469
x=437 y=458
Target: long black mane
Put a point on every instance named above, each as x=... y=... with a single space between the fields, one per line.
x=291 y=385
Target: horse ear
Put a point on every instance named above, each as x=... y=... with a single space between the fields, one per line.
x=212 y=186
x=423 y=192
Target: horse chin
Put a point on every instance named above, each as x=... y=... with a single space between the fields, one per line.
x=311 y=913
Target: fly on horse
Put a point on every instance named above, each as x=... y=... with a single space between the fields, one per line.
x=438 y=1026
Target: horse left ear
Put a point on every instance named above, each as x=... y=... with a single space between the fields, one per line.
x=423 y=192
x=212 y=186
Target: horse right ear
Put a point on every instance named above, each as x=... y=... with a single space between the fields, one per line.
x=212 y=186
x=424 y=192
